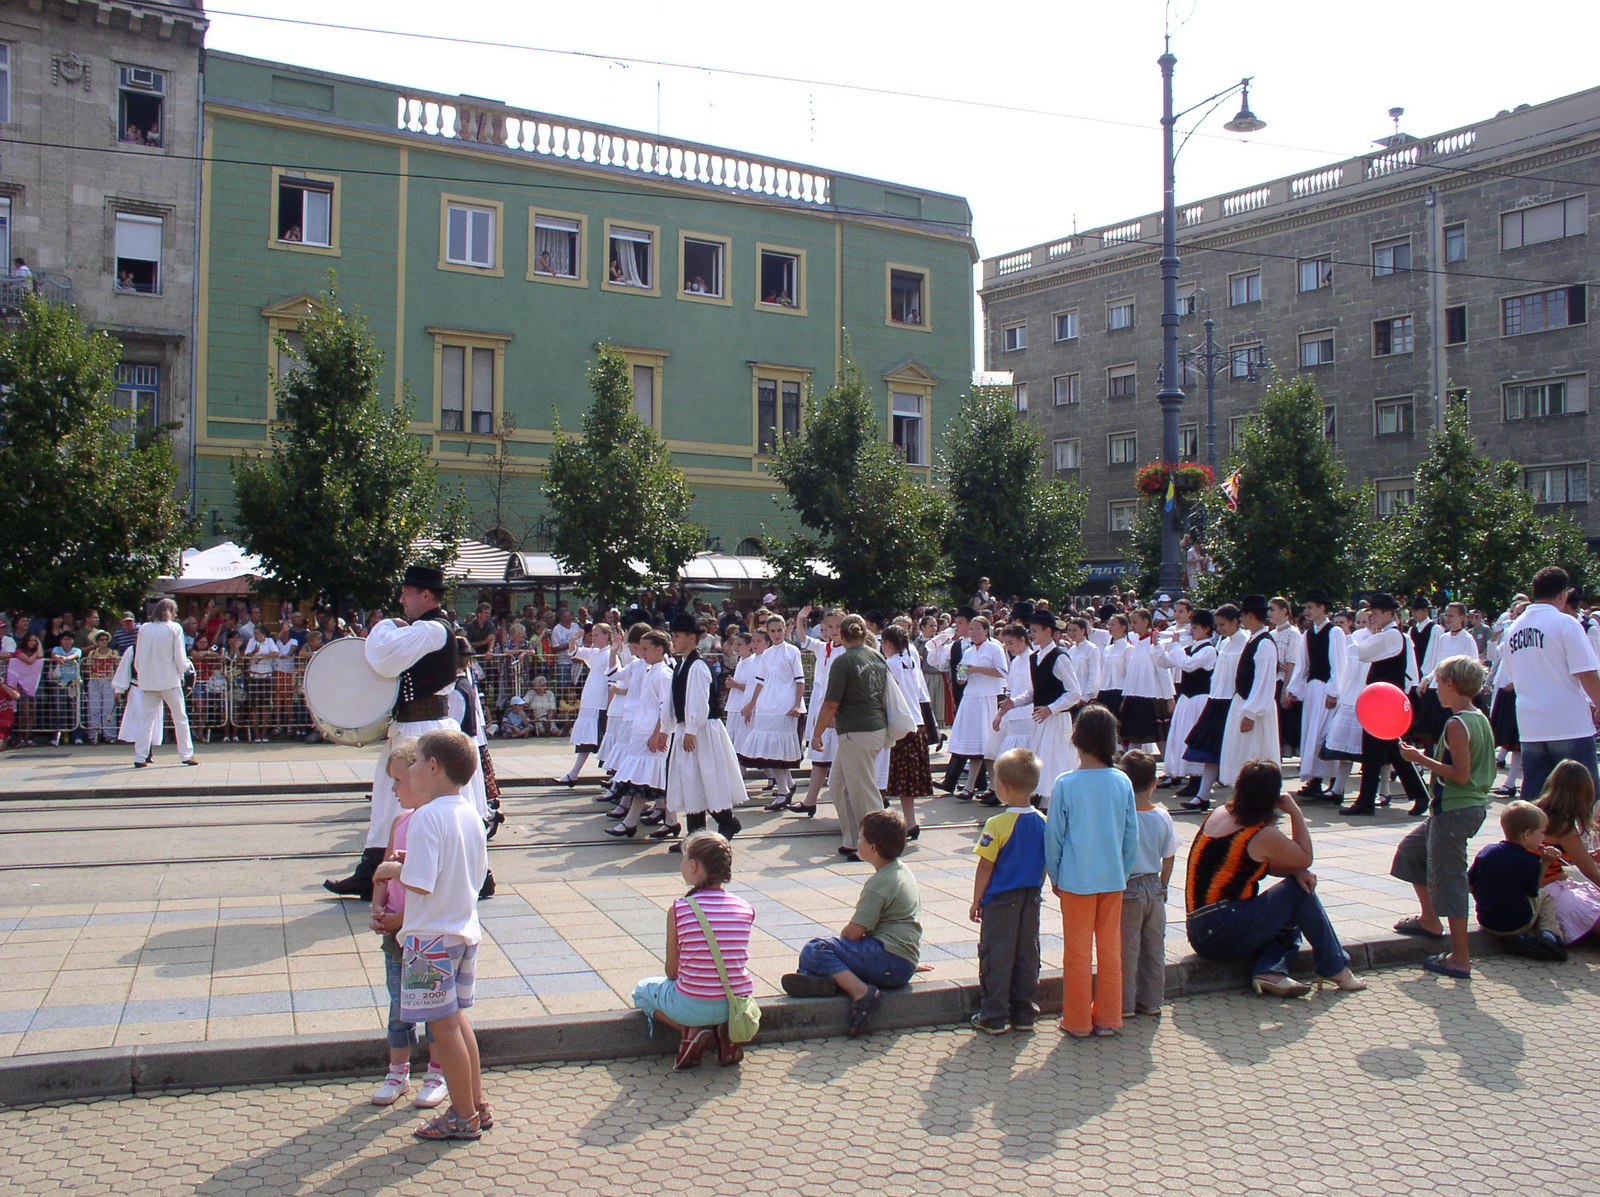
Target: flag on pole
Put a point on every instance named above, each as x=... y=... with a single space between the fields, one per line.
x=1230 y=490
x=1172 y=491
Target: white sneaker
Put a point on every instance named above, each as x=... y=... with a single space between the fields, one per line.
x=433 y=1091
x=395 y=1086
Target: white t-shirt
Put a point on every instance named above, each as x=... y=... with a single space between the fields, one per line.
x=1543 y=649
x=1158 y=839
x=447 y=855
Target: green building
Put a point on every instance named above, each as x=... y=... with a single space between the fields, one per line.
x=492 y=250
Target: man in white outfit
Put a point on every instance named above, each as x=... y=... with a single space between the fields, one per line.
x=159 y=666
x=420 y=652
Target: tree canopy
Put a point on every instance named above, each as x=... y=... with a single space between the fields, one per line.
x=344 y=497
x=91 y=516
x=877 y=532
x=1007 y=522
x=618 y=506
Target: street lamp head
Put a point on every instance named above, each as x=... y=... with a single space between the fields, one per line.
x=1246 y=121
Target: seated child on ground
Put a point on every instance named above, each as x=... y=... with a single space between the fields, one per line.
x=1505 y=885
x=514 y=724
x=879 y=947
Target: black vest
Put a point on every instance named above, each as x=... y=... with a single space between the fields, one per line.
x=1047 y=687
x=469 y=714
x=1319 y=667
x=1196 y=683
x=434 y=672
x=1390 y=669
x=680 y=688
x=1244 y=681
x=1421 y=638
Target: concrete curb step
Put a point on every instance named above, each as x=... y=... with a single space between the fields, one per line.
x=131 y=1071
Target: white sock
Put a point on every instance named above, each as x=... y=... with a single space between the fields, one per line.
x=1514 y=768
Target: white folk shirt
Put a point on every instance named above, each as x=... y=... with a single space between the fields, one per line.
x=1338 y=650
x=1545 y=648
x=1085 y=656
x=1380 y=646
x=1442 y=647
x=1290 y=642
x=159 y=659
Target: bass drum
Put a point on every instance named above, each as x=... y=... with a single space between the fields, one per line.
x=349 y=701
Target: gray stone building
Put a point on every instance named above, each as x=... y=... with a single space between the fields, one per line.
x=99 y=154
x=1453 y=264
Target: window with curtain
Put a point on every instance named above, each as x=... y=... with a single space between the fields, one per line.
x=644 y=393
x=556 y=247
x=466 y=395
x=630 y=257
x=908 y=427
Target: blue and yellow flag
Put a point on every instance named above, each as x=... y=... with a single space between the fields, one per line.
x=1172 y=491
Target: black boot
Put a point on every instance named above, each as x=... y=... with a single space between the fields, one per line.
x=726 y=823
x=952 y=772
x=488 y=885
x=1191 y=787
x=359 y=883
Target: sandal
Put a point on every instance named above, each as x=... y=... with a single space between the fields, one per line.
x=692 y=1046
x=1440 y=964
x=1413 y=926
x=1350 y=984
x=450 y=1126
x=485 y=1118
x=728 y=1052
x=863 y=1008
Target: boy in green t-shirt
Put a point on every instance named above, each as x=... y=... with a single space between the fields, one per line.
x=879 y=947
x=1433 y=857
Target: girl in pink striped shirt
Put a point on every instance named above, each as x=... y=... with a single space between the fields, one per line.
x=691 y=997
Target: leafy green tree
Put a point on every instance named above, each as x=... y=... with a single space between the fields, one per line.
x=1007 y=523
x=1473 y=531
x=873 y=536
x=618 y=505
x=1300 y=523
x=90 y=514
x=1143 y=550
x=343 y=498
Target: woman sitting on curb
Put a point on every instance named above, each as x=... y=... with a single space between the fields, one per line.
x=1228 y=917
x=691 y=997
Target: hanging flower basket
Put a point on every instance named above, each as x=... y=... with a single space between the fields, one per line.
x=1185 y=476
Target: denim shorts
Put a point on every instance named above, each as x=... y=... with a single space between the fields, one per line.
x=436 y=978
x=660 y=995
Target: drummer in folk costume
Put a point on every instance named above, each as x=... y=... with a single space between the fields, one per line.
x=1252 y=731
x=419 y=651
x=1314 y=689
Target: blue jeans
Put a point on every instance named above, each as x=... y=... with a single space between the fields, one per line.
x=400 y=1033
x=866 y=957
x=1540 y=757
x=1269 y=925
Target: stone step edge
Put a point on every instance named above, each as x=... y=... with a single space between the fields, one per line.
x=582 y=1038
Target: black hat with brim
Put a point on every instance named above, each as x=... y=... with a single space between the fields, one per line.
x=424 y=577
x=1253 y=604
x=1318 y=596
x=685 y=622
x=1382 y=602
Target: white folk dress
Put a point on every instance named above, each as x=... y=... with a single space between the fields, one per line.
x=1052 y=739
x=623 y=676
x=1316 y=717
x=744 y=682
x=1260 y=706
x=772 y=739
x=636 y=764
x=709 y=778
x=825 y=654
x=969 y=734
x=1186 y=658
x=592 y=699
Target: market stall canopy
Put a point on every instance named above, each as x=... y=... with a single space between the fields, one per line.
x=222 y=569
x=475 y=563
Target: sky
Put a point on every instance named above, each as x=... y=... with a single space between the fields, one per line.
x=1056 y=123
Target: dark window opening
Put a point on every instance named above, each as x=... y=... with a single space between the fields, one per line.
x=905 y=297
x=779 y=279
x=305 y=212
x=702 y=268
x=1455 y=325
x=139 y=118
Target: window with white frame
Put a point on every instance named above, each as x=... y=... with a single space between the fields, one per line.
x=469 y=236
x=780 y=279
x=1316 y=273
x=291 y=356
x=1067 y=325
x=1122 y=448
x=138 y=253
x=5 y=87
x=1316 y=348
x=777 y=411
x=908 y=426
x=1188 y=442
x=305 y=211
x=141 y=93
x=1119 y=315
x=557 y=246
x=1065 y=389
x=703 y=267
x=1546 y=222
x=1013 y=337
x=632 y=257
x=1558 y=483
x=1393 y=336
x=1391 y=257
x=644 y=392
x=1395 y=494
x=1455 y=243
x=1246 y=361
x=1019 y=392
x=1545 y=397
x=1236 y=429
x=1120 y=515
x=1244 y=288
x=1394 y=417
x=1122 y=382
x=1543 y=310
x=1069 y=454
x=138 y=393
x=906 y=296
x=466 y=389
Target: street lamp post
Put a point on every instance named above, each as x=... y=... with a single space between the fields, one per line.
x=1170 y=396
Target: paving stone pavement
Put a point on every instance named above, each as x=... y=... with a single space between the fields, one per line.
x=1420 y=1085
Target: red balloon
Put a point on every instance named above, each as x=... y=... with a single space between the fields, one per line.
x=1384 y=711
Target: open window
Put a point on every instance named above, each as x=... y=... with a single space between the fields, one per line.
x=555 y=247
x=908 y=297
x=632 y=256
x=780 y=278
x=909 y=426
x=705 y=263
x=305 y=211
x=141 y=95
x=138 y=253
